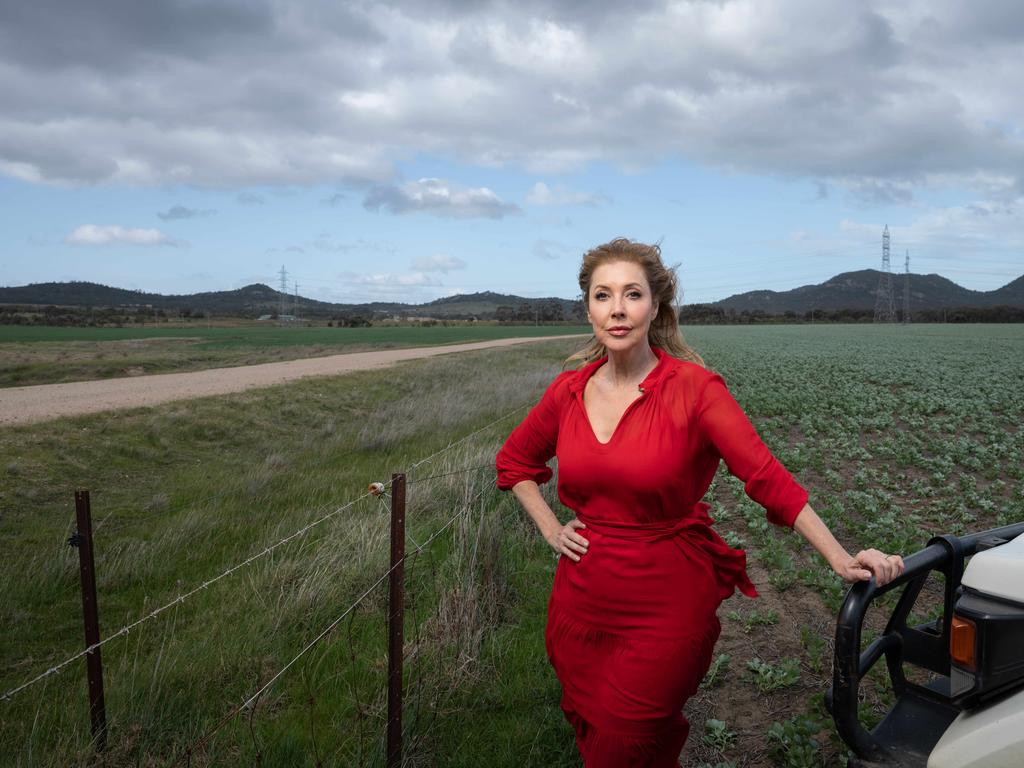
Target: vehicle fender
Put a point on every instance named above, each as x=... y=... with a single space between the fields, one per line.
x=998 y=572
x=989 y=737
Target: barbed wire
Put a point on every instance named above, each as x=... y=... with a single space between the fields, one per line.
x=415 y=691
x=182 y=598
x=186 y=504
x=251 y=701
x=125 y=630
x=194 y=505
x=464 y=438
x=461 y=470
x=419 y=733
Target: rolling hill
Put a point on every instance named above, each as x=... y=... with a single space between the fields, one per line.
x=846 y=291
x=857 y=290
x=258 y=299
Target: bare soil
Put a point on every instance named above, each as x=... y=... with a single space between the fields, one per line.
x=27 y=405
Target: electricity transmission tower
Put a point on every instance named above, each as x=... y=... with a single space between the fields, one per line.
x=282 y=293
x=906 y=288
x=295 y=304
x=885 y=306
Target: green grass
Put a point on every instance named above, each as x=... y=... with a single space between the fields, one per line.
x=180 y=492
x=45 y=355
x=898 y=433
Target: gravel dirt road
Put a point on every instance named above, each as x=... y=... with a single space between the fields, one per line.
x=27 y=405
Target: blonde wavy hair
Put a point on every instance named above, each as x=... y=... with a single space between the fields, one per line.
x=664 y=331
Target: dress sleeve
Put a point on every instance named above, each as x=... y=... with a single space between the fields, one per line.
x=525 y=454
x=765 y=480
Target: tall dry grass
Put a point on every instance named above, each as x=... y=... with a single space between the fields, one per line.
x=184 y=490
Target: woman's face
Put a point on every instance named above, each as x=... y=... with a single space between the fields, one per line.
x=620 y=306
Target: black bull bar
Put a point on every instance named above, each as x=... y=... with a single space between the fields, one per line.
x=907 y=734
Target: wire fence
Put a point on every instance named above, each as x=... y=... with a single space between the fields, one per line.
x=441 y=628
x=251 y=703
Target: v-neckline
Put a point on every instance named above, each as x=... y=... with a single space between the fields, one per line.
x=642 y=386
x=622 y=416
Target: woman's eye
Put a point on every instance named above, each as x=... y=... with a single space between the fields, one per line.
x=634 y=294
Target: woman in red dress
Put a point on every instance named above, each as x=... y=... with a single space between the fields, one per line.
x=639 y=431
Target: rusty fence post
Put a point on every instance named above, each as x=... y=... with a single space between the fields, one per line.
x=82 y=540
x=396 y=620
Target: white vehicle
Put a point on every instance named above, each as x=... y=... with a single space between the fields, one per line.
x=971 y=713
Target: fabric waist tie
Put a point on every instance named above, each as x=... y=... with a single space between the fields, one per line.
x=694 y=529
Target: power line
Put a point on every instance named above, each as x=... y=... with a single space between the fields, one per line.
x=885 y=308
x=282 y=292
x=906 y=288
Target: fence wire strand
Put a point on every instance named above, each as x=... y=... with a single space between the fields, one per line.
x=252 y=701
x=464 y=438
x=489 y=465
x=182 y=598
x=421 y=731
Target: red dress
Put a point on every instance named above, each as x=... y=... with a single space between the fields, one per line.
x=631 y=626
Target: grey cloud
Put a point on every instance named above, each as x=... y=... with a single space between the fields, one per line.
x=251 y=198
x=591 y=14
x=874 y=192
x=26 y=154
x=51 y=34
x=996 y=19
x=439 y=198
x=559 y=194
x=178 y=212
x=251 y=94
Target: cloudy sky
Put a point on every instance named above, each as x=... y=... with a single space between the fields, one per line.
x=416 y=149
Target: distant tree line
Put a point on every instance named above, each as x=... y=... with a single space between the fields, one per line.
x=548 y=311
x=92 y=316
x=707 y=314
x=523 y=313
x=349 y=320
x=970 y=315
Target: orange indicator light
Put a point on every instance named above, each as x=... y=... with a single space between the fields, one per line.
x=961 y=642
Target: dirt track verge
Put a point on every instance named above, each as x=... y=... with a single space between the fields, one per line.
x=42 y=402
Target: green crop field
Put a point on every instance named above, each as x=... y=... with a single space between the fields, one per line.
x=46 y=355
x=898 y=433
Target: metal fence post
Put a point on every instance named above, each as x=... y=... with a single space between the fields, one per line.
x=396 y=620
x=90 y=611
